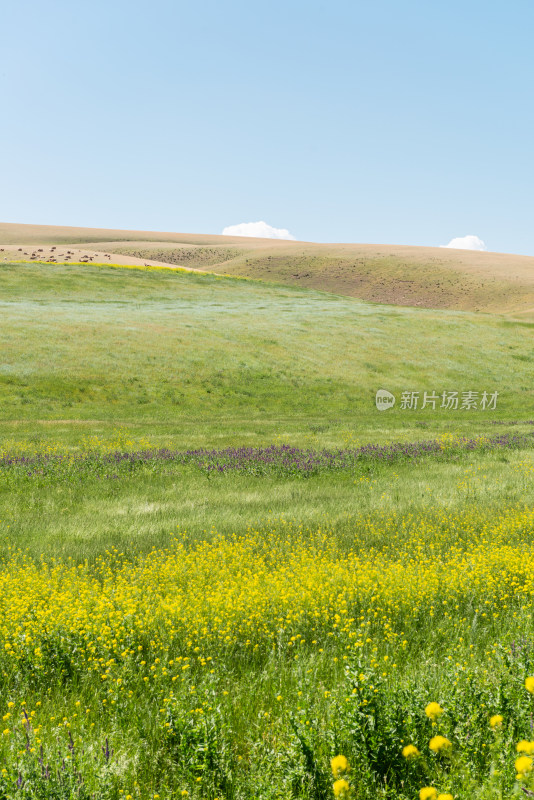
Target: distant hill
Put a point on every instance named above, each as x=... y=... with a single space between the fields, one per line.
x=428 y=277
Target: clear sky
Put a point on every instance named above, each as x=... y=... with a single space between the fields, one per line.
x=408 y=122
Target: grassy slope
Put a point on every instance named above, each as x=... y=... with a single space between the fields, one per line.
x=191 y=359
x=199 y=359
x=415 y=276
x=412 y=276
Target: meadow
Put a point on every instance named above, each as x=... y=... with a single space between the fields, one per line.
x=221 y=566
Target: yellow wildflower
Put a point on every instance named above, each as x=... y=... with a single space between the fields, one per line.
x=438 y=743
x=428 y=793
x=523 y=765
x=339 y=765
x=525 y=747
x=433 y=711
x=445 y=796
x=496 y=721
x=410 y=751
x=341 y=788
x=529 y=684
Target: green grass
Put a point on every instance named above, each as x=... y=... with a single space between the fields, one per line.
x=197 y=359
x=71 y=513
x=189 y=360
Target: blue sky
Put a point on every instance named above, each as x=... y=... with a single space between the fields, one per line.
x=395 y=122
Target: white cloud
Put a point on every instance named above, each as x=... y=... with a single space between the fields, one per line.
x=468 y=242
x=258 y=229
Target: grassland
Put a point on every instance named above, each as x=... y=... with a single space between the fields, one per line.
x=197 y=359
x=427 y=277
x=173 y=631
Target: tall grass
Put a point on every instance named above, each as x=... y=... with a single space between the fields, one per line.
x=237 y=665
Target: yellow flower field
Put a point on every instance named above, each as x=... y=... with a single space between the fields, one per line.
x=172 y=643
x=249 y=591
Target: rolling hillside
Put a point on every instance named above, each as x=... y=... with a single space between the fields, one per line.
x=409 y=276
x=205 y=358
